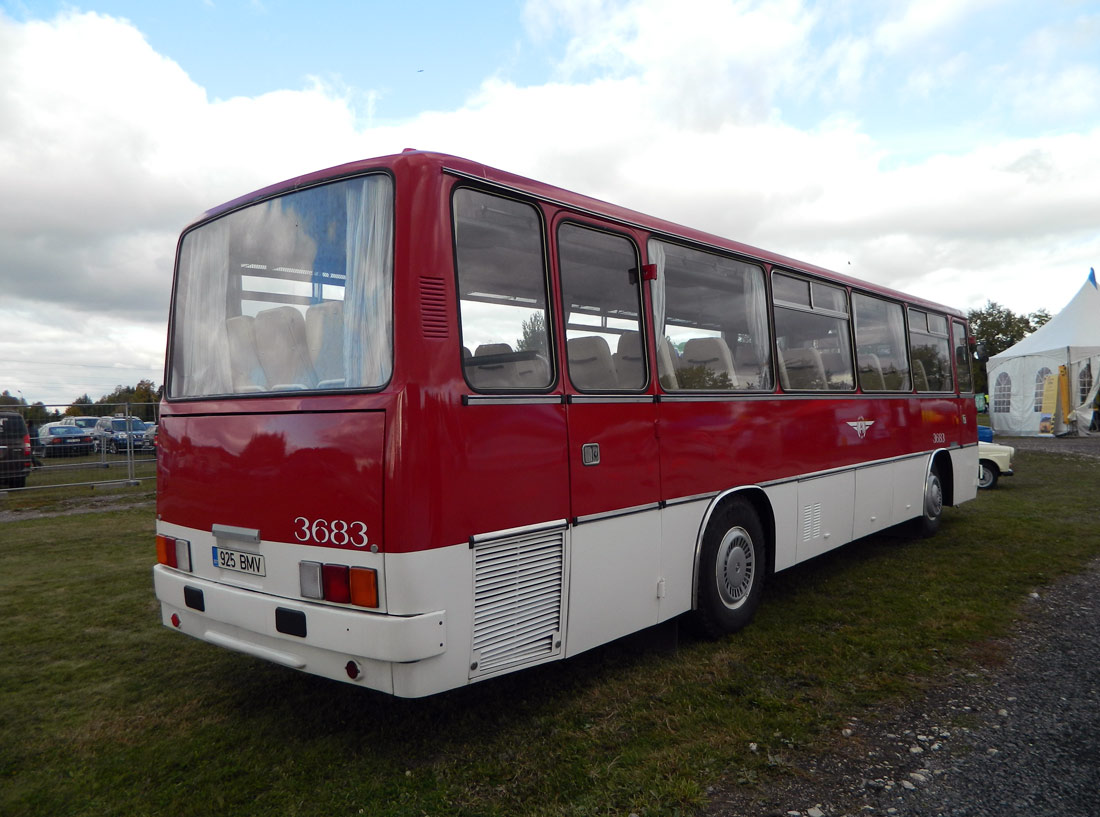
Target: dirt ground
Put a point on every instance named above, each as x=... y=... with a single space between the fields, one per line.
x=1082 y=446
x=71 y=507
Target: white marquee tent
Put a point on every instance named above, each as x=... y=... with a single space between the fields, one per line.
x=1017 y=375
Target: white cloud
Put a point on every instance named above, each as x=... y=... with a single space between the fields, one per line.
x=924 y=19
x=107 y=149
x=1069 y=94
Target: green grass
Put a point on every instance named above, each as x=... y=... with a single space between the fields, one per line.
x=105 y=712
x=94 y=467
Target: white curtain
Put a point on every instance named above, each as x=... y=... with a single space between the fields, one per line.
x=200 y=363
x=368 y=297
x=756 y=306
x=895 y=322
x=657 y=289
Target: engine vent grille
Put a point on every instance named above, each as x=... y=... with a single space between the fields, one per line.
x=518 y=588
x=433 y=308
x=811 y=522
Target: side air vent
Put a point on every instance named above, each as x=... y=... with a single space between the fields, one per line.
x=433 y=308
x=811 y=522
x=518 y=588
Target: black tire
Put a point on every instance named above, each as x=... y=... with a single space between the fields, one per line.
x=112 y=446
x=732 y=568
x=929 y=521
x=988 y=474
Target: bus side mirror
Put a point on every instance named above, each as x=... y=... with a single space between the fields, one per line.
x=979 y=350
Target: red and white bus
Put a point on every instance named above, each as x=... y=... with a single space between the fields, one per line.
x=427 y=422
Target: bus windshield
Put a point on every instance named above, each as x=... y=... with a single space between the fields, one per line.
x=289 y=294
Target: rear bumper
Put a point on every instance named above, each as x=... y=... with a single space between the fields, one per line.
x=255 y=623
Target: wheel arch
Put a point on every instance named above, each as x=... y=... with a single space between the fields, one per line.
x=760 y=503
x=941 y=461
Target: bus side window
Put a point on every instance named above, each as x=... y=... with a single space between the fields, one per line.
x=601 y=297
x=711 y=321
x=931 y=351
x=502 y=293
x=880 y=344
x=811 y=332
x=962 y=357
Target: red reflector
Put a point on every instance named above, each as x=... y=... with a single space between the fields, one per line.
x=337 y=587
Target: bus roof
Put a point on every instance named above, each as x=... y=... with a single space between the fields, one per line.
x=485 y=174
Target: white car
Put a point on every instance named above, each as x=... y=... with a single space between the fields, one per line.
x=994 y=462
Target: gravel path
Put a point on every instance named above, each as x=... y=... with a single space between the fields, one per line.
x=1018 y=738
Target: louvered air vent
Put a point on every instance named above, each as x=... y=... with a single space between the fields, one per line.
x=433 y=308
x=811 y=522
x=518 y=585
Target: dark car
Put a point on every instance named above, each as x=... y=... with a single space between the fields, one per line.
x=117 y=434
x=15 y=450
x=58 y=440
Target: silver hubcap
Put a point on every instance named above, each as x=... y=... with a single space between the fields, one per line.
x=933 y=497
x=735 y=567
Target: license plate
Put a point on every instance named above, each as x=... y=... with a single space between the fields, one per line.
x=252 y=563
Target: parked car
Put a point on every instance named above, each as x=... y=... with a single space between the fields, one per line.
x=83 y=422
x=151 y=435
x=58 y=440
x=15 y=450
x=117 y=434
x=994 y=461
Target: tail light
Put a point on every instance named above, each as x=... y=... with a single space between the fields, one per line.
x=173 y=552
x=339 y=583
x=364 y=586
x=27 y=445
x=334 y=579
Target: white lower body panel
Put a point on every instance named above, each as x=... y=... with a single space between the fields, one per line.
x=514 y=599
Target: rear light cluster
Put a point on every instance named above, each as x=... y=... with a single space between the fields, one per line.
x=339 y=583
x=174 y=552
x=335 y=583
x=27 y=445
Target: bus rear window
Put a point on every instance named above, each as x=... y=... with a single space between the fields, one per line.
x=291 y=294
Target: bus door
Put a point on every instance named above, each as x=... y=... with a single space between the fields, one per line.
x=613 y=457
x=512 y=429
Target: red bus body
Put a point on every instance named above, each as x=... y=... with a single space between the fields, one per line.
x=419 y=478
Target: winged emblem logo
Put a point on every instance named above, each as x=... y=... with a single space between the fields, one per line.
x=861 y=426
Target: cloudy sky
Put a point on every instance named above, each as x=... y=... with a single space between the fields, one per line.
x=949 y=148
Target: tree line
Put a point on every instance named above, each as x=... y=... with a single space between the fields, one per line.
x=143 y=399
x=999 y=328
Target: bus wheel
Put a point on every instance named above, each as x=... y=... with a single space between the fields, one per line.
x=732 y=567
x=929 y=521
x=987 y=474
